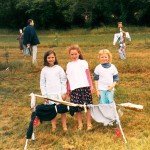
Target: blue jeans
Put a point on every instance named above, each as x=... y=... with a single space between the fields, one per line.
x=107 y=97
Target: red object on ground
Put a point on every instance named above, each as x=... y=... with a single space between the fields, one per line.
x=118 y=133
x=36 y=121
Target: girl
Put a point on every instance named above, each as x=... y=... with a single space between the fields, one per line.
x=53 y=83
x=106 y=77
x=20 y=39
x=79 y=83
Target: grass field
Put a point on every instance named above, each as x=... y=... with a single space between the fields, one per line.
x=22 y=78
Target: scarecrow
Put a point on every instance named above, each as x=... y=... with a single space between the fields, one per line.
x=120 y=37
x=102 y=113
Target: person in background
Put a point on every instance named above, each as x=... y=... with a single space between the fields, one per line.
x=105 y=77
x=79 y=83
x=31 y=40
x=20 y=39
x=53 y=83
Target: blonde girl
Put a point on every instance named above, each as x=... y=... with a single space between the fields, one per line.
x=79 y=83
x=53 y=83
x=105 y=77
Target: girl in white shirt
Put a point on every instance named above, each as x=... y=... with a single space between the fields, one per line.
x=106 y=77
x=53 y=83
x=79 y=83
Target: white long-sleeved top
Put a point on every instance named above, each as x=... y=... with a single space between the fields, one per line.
x=76 y=74
x=53 y=81
x=117 y=35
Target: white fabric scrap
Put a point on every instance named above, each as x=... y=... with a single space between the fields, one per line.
x=132 y=106
x=104 y=113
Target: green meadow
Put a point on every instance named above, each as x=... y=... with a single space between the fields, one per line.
x=18 y=78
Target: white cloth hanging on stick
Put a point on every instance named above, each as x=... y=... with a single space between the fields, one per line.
x=104 y=113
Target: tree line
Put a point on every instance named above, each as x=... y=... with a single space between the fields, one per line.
x=62 y=14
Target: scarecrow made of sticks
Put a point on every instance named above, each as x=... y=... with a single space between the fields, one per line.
x=120 y=37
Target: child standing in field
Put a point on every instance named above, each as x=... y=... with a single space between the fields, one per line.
x=106 y=77
x=20 y=39
x=53 y=83
x=79 y=83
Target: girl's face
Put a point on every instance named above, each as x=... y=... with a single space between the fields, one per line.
x=74 y=54
x=104 y=58
x=51 y=59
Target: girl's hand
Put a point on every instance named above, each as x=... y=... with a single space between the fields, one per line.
x=91 y=89
x=97 y=93
x=64 y=97
x=110 y=88
x=45 y=100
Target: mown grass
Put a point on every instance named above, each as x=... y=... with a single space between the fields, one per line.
x=22 y=78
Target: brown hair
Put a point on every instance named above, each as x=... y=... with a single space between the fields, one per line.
x=75 y=47
x=47 y=54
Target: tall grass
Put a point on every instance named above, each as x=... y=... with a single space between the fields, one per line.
x=17 y=82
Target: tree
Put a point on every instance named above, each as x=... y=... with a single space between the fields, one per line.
x=67 y=13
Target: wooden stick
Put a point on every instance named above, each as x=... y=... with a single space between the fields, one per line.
x=25 y=147
x=131 y=106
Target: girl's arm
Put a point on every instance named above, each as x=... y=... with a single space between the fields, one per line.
x=89 y=79
x=112 y=86
x=63 y=80
x=68 y=88
x=96 y=87
x=96 y=78
x=43 y=84
x=115 y=80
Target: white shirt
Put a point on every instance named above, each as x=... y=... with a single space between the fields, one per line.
x=105 y=76
x=76 y=74
x=53 y=81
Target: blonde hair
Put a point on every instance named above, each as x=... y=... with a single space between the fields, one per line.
x=75 y=47
x=105 y=51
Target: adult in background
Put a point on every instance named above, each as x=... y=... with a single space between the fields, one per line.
x=31 y=40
